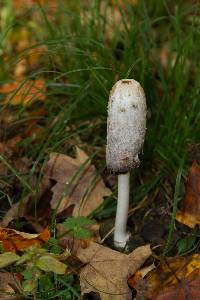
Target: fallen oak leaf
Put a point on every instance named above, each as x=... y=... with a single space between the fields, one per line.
x=175 y=278
x=189 y=214
x=13 y=240
x=68 y=192
x=107 y=270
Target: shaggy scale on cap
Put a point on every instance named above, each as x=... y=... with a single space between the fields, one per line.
x=126 y=125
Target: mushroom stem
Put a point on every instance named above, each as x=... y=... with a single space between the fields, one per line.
x=120 y=234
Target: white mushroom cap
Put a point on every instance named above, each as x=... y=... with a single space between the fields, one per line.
x=126 y=125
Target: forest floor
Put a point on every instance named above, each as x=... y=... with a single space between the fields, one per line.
x=58 y=63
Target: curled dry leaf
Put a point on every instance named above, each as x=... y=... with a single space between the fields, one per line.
x=190 y=211
x=77 y=184
x=176 y=278
x=133 y=280
x=14 y=240
x=26 y=93
x=107 y=271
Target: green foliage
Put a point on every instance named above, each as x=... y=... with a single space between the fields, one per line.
x=34 y=263
x=186 y=244
x=53 y=246
x=77 y=225
x=49 y=263
x=64 y=287
x=37 y=261
x=8 y=258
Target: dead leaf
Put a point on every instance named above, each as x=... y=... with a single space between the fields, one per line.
x=26 y=208
x=9 y=286
x=176 y=278
x=20 y=69
x=190 y=211
x=85 y=192
x=16 y=211
x=133 y=280
x=107 y=270
x=14 y=240
x=25 y=94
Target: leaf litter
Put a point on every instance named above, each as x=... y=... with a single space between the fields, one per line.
x=107 y=271
x=189 y=214
x=77 y=183
x=174 y=278
x=13 y=240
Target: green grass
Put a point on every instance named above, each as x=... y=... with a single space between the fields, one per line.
x=87 y=52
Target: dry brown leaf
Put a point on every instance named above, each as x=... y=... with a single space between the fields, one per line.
x=26 y=208
x=176 y=278
x=13 y=240
x=133 y=280
x=9 y=285
x=20 y=69
x=85 y=192
x=107 y=271
x=190 y=211
x=29 y=92
x=17 y=210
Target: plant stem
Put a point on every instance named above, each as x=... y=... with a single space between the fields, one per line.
x=120 y=234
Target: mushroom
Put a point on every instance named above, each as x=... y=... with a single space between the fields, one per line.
x=126 y=126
